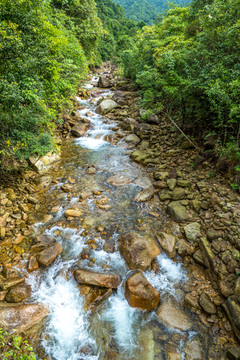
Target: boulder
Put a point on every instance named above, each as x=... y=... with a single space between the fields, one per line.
x=106 y=106
x=41 y=242
x=132 y=140
x=21 y=317
x=119 y=180
x=177 y=211
x=80 y=129
x=104 y=82
x=42 y=164
x=192 y=230
x=93 y=278
x=168 y=243
x=138 y=251
x=145 y=195
x=140 y=293
x=207 y=304
x=170 y=314
x=18 y=293
x=6 y=284
x=47 y=256
x=32 y=264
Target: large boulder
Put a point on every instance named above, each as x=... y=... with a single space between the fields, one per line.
x=145 y=195
x=170 y=314
x=18 y=293
x=168 y=243
x=177 y=211
x=47 y=256
x=80 y=129
x=42 y=164
x=106 y=106
x=92 y=278
x=138 y=251
x=21 y=317
x=140 y=293
x=104 y=82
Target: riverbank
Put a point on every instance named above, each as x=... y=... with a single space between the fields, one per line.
x=190 y=211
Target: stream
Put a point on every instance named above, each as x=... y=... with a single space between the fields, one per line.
x=113 y=329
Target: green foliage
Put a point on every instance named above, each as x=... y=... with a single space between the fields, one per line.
x=147 y=10
x=13 y=347
x=189 y=63
x=45 y=49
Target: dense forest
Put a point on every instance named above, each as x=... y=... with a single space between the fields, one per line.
x=185 y=66
x=148 y=10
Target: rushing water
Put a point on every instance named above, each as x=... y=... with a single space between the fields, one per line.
x=114 y=330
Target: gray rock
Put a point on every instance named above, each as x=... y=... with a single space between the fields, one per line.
x=104 y=82
x=207 y=304
x=106 y=106
x=132 y=140
x=42 y=164
x=80 y=129
x=178 y=211
x=145 y=195
x=168 y=243
x=191 y=231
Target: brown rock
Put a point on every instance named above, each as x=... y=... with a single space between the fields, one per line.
x=72 y=213
x=2 y=233
x=32 y=264
x=92 y=278
x=21 y=317
x=18 y=293
x=47 y=256
x=80 y=129
x=66 y=188
x=168 y=243
x=41 y=242
x=170 y=314
x=119 y=180
x=104 y=82
x=137 y=250
x=193 y=350
x=207 y=304
x=140 y=293
x=145 y=195
x=6 y=284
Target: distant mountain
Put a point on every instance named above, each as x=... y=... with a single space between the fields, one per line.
x=147 y=10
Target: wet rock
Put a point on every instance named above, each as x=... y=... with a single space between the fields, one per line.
x=21 y=317
x=91 y=170
x=145 y=195
x=66 y=188
x=171 y=183
x=41 y=242
x=106 y=106
x=72 y=213
x=207 y=304
x=6 y=284
x=32 y=264
x=193 y=350
x=168 y=243
x=138 y=251
x=192 y=231
x=140 y=293
x=80 y=129
x=132 y=140
x=104 y=82
x=119 y=180
x=93 y=278
x=18 y=293
x=95 y=297
x=170 y=314
x=178 y=211
x=47 y=256
x=41 y=165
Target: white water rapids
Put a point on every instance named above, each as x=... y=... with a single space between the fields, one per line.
x=72 y=333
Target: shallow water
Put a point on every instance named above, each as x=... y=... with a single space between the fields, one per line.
x=114 y=330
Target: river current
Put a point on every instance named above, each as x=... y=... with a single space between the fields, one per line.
x=114 y=330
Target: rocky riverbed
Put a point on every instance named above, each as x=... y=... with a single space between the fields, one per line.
x=93 y=205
